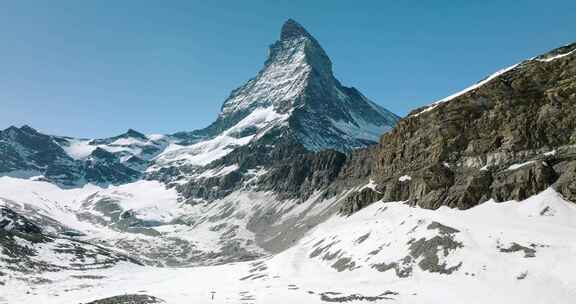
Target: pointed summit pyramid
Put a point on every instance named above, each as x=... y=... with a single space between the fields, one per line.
x=297 y=91
x=287 y=73
x=294 y=103
x=292 y=29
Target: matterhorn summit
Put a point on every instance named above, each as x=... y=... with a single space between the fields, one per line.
x=297 y=91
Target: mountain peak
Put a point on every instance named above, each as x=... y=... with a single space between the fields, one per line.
x=297 y=47
x=28 y=129
x=14 y=130
x=296 y=92
x=292 y=29
x=135 y=134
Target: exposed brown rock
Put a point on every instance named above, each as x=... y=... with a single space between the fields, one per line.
x=458 y=152
x=359 y=200
x=523 y=182
x=566 y=183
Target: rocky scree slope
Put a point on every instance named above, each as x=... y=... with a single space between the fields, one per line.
x=506 y=138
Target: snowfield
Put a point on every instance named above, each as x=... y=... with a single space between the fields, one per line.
x=207 y=151
x=512 y=252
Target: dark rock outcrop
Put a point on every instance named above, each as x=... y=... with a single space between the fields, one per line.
x=566 y=182
x=359 y=199
x=523 y=182
x=506 y=139
x=288 y=169
x=129 y=299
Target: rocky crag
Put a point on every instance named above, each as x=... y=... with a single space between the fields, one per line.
x=506 y=138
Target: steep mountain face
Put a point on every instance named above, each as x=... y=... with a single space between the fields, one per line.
x=270 y=127
x=297 y=83
x=506 y=138
x=295 y=98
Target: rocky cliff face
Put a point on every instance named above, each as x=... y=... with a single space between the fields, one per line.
x=505 y=138
x=26 y=152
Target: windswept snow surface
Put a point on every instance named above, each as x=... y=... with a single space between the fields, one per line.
x=149 y=200
x=520 y=165
x=512 y=252
x=129 y=146
x=46 y=199
x=79 y=148
x=283 y=78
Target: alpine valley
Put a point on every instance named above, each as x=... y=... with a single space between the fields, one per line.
x=305 y=191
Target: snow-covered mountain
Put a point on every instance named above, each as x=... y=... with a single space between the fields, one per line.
x=72 y=162
x=467 y=200
x=294 y=97
x=298 y=85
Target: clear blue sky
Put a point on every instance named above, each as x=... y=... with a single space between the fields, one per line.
x=97 y=68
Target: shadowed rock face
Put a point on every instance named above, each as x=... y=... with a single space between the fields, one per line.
x=359 y=199
x=507 y=139
x=290 y=171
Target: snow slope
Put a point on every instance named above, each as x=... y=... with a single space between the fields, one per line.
x=153 y=222
x=513 y=252
x=204 y=152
